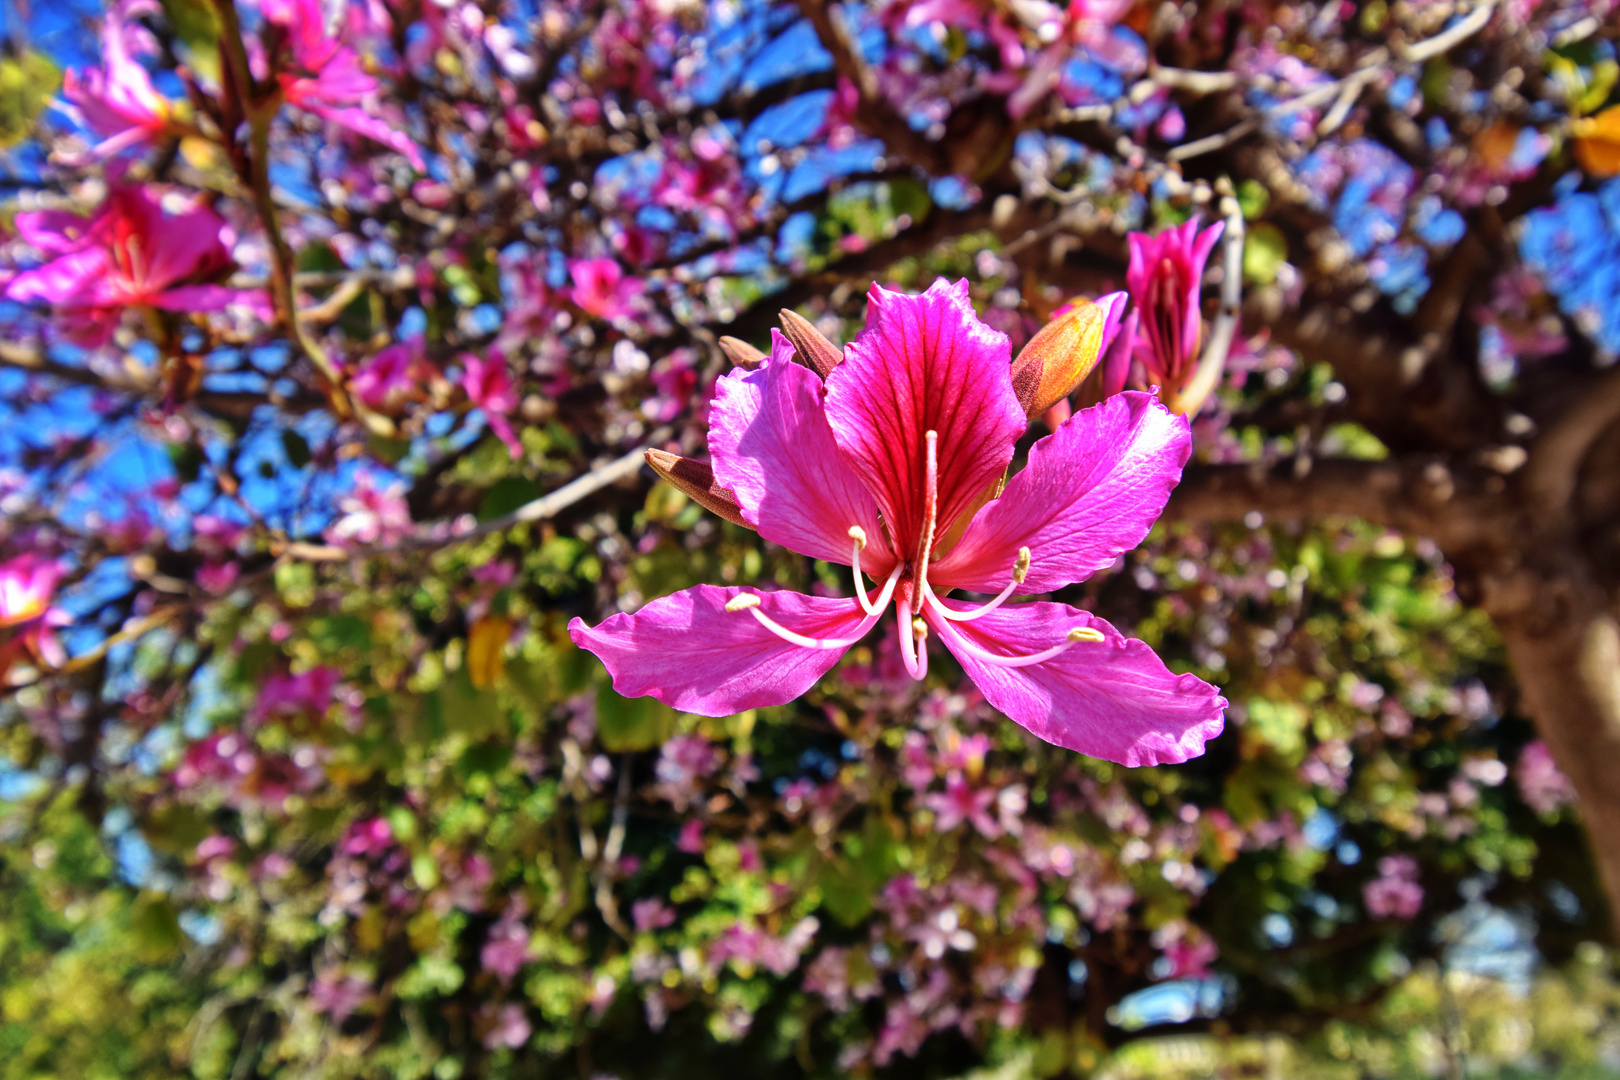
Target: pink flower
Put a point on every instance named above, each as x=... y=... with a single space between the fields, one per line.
x=506 y=949
x=371 y=837
x=601 y=289
x=292 y=695
x=489 y=387
x=1164 y=278
x=325 y=77
x=690 y=839
x=960 y=802
x=1395 y=892
x=118 y=100
x=511 y=1028
x=651 y=914
x=1541 y=784
x=385 y=380
x=371 y=515
x=132 y=253
x=682 y=763
x=1190 y=959
x=27 y=584
x=874 y=467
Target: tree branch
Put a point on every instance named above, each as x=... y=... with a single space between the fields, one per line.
x=1457 y=509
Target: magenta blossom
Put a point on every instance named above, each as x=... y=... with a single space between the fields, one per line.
x=132 y=253
x=876 y=468
x=387 y=379
x=489 y=386
x=601 y=289
x=1395 y=892
x=27 y=584
x=326 y=78
x=1164 y=277
x=117 y=100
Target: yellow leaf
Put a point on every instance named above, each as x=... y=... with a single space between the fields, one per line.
x=1597 y=142
x=486 y=650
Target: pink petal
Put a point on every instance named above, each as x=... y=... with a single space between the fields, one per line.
x=925 y=363
x=1090 y=493
x=687 y=651
x=1112 y=699
x=361 y=122
x=199 y=298
x=772 y=446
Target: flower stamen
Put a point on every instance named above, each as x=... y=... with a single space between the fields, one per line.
x=925 y=550
x=959 y=642
x=914 y=659
x=749 y=602
x=1020 y=572
x=858 y=535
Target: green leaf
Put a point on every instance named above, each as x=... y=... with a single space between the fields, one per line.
x=1265 y=249
x=155 y=928
x=27 y=85
x=507 y=495
x=626 y=724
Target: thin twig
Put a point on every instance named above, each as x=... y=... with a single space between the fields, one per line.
x=1446 y=40
x=1224 y=330
x=544 y=507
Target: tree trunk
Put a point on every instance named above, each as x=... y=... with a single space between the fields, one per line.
x=1565 y=651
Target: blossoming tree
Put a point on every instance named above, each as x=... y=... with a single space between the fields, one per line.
x=646 y=537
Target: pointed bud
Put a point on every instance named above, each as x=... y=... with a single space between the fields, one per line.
x=810 y=345
x=1064 y=351
x=740 y=353
x=696 y=480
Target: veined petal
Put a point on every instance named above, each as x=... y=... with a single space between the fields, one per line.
x=771 y=446
x=925 y=363
x=1090 y=492
x=1113 y=699
x=692 y=654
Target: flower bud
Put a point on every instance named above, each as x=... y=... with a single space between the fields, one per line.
x=1064 y=351
x=740 y=353
x=696 y=480
x=810 y=346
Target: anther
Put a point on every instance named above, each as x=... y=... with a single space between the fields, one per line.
x=858 y=534
x=1021 y=567
x=742 y=602
x=1085 y=633
x=920 y=628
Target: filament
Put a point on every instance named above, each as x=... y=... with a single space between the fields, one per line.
x=916 y=665
x=858 y=535
x=958 y=641
x=1020 y=571
x=749 y=602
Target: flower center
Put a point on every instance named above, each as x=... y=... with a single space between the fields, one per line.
x=917 y=607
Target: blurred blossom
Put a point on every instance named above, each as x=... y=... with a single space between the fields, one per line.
x=1395 y=892
x=371 y=515
x=1541 y=784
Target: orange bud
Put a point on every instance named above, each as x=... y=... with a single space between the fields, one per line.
x=1061 y=354
x=486 y=650
x=1597 y=142
x=696 y=480
x=809 y=344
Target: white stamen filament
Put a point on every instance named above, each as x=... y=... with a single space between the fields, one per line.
x=914 y=659
x=750 y=603
x=959 y=642
x=1020 y=571
x=858 y=535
